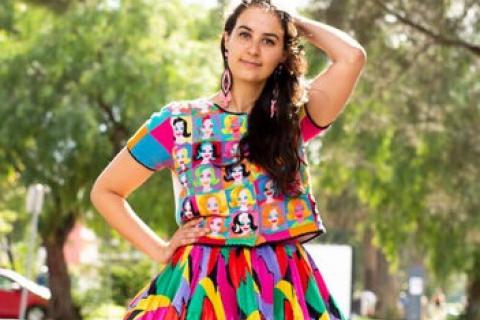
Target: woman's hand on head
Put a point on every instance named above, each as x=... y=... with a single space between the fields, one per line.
x=298 y=22
x=185 y=235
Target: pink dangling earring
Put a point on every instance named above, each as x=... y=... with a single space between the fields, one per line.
x=275 y=93
x=226 y=85
x=273 y=102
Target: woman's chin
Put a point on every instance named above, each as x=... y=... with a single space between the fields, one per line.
x=250 y=77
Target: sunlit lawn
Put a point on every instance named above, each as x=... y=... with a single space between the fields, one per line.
x=106 y=311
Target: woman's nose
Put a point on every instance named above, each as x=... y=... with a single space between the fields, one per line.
x=254 y=48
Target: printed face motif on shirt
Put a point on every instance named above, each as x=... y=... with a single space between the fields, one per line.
x=207 y=128
x=232 y=151
x=212 y=204
x=266 y=190
x=272 y=216
x=181 y=130
x=182 y=157
x=188 y=210
x=206 y=152
x=241 y=197
x=298 y=210
x=243 y=224
x=217 y=226
x=233 y=126
x=206 y=178
x=235 y=173
x=269 y=191
x=184 y=180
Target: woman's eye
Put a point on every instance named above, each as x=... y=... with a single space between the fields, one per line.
x=244 y=34
x=269 y=42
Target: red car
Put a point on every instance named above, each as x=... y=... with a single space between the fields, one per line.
x=11 y=284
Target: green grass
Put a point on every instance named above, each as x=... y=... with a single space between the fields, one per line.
x=106 y=312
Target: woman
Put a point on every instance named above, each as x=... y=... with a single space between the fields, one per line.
x=260 y=274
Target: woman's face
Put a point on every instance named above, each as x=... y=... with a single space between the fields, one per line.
x=207 y=127
x=187 y=209
x=299 y=211
x=237 y=173
x=235 y=125
x=206 y=177
x=206 y=151
x=243 y=197
x=182 y=156
x=216 y=224
x=184 y=180
x=269 y=191
x=244 y=222
x=234 y=150
x=178 y=129
x=212 y=205
x=273 y=216
x=255 y=45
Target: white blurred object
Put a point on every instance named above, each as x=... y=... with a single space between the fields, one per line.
x=368 y=302
x=35 y=195
x=34 y=204
x=415 y=286
x=335 y=265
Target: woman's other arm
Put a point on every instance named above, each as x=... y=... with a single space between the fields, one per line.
x=331 y=89
x=109 y=193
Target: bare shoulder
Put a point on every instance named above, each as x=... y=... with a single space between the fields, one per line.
x=122 y=175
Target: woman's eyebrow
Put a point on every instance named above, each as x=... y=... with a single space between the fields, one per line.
x=265 y=33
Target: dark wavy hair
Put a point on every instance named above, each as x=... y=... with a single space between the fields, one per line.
x=273 y=143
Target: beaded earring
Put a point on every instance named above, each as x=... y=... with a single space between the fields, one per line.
x=226 y=85
x=276 y=90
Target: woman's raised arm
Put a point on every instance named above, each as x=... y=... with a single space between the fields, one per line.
x=330 y=90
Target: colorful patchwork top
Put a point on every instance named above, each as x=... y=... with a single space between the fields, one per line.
x=198 y=141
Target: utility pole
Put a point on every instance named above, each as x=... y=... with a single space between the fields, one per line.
x=35 y=196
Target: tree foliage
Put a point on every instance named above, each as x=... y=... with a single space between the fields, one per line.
x=403 y=157
x=77 y=82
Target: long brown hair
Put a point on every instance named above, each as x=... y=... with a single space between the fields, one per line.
x=273 y=143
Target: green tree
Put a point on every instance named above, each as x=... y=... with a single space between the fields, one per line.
x=77 y=83
x=403 y=155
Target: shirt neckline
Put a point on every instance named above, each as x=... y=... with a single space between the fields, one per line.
x=228 y=111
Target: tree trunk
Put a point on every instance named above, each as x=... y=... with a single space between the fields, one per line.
x=61 y=304
x=387 y=289
x=11 y=259
x=369 y=261
x=378 y=279
x=473 y=290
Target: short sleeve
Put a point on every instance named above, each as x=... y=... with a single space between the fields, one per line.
x=152 y=143
x=308 y=128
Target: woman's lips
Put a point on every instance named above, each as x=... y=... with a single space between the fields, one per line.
x=251 y=63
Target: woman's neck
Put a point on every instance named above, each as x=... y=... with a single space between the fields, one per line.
x=244 y=96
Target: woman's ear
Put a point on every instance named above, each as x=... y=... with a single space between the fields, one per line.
x=226 y=38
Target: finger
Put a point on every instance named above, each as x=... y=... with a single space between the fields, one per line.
x=197 y=231
x=193 y=225
x=192 y=222
x=187 y=241
x=192 y=235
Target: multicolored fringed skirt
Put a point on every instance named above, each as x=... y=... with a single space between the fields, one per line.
x=274 y=281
